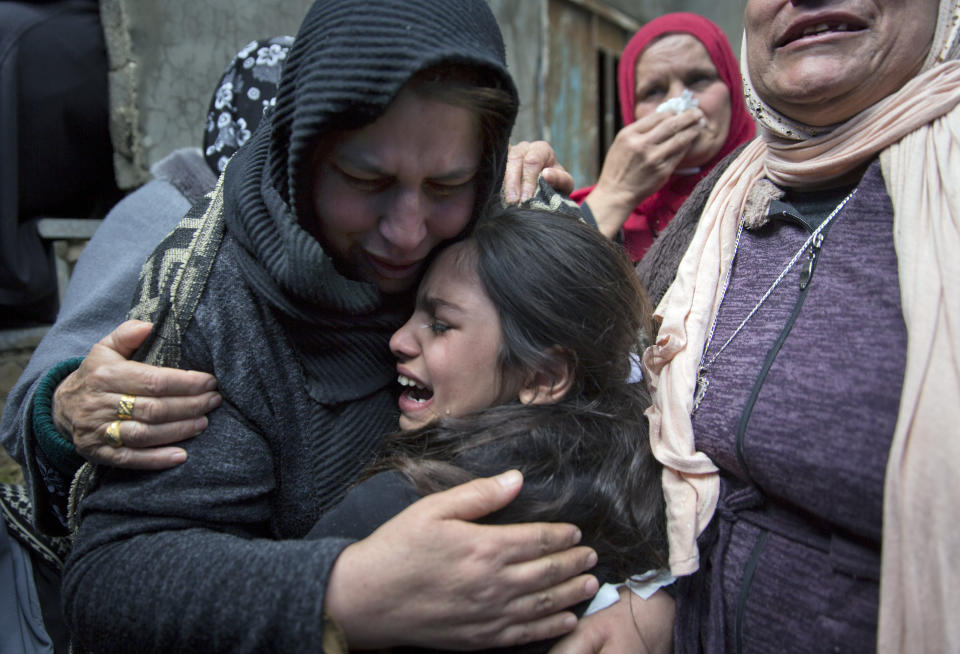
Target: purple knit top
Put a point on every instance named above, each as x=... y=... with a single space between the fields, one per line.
x=799 y=415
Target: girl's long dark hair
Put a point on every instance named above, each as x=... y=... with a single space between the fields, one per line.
x=561 y=289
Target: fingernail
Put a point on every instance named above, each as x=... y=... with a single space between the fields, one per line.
x=592 y=586
x=511 y=197
x=570 y=623
x=178 y=457
x=591 y=560
x=510 y=479
x=200 y=424
x=211 y=385
x=577 y=536
x=214 y=402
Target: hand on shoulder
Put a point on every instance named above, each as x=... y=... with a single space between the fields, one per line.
x=430 y=577
x=152 y=407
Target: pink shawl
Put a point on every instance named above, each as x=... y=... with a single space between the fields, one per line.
x=916 y=132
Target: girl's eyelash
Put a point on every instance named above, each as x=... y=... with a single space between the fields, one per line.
x=436 y=327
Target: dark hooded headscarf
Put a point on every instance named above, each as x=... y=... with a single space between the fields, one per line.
x=349 y=60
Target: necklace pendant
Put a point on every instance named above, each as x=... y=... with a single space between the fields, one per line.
x=702 y=383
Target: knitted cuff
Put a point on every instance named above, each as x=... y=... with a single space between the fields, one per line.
x=591 y=220
x=59 y=451
x=588 y=216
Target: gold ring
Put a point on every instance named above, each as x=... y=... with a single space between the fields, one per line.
x=125 y=407
x=112 y=435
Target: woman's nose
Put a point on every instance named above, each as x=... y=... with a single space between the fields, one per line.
x=676 y=89
x=404 y=222
x=403 y=344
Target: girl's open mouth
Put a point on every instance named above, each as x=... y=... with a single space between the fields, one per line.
x=415 y=396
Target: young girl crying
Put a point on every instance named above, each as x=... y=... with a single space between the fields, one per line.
x=522 y=352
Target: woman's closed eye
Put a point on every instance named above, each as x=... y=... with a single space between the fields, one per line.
x=365 y=182
x=697 y=81
x=449 y=185
x=446 y=189
x=650 y=93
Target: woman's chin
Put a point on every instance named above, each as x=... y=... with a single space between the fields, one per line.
x=699 y=155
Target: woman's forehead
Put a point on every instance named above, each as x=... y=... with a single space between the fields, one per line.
x=674 y=52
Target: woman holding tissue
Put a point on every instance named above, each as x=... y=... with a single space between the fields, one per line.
x=683 y=111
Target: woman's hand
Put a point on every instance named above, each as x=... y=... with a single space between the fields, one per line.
x=631 y=626
x=526 y=161
x=429 y=577
x=640 y=160
x=169 y=406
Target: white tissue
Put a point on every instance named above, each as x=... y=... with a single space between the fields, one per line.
x=680 y=103
x=636 y=369
x=643 y=586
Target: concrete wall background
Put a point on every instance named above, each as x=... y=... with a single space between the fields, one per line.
x=728 y=14
x=165 y=59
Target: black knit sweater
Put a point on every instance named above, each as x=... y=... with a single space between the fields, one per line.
x=207 y=556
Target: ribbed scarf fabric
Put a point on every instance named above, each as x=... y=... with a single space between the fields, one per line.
x=657 y=210
x=348 y=62
x=916 y=132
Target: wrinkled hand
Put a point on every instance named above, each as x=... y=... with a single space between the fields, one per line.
x=525 y=162
x=640 y=160
x=430 y=578
x=170 y=404
x=631 y=626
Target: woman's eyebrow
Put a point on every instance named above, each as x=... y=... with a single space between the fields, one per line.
x=645 y=84
x=702 y=70
x=358 y=161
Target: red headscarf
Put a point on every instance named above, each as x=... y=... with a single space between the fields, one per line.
x=653 y=214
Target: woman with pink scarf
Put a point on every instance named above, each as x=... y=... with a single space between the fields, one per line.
x=807 y=367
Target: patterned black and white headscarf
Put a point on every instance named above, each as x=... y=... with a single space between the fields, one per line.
x=247 y=89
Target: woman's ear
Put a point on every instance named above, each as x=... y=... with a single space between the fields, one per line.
x=551 y=385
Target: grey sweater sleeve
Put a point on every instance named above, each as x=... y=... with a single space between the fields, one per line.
x=207 y=556
x=187 y=559
x=101 y=289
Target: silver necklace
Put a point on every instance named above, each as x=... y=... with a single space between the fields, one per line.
x=814 y=242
